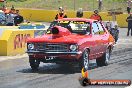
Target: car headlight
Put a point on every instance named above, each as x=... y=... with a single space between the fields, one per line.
x=31 y=46
x=73 y=47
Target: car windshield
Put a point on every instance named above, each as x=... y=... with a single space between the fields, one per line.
x=79 y=27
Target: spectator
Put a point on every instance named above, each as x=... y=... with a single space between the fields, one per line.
x=99 y=4
x=129 y=20
x=129 y=3
x=96 y=16
x=18 y=18
x=79 y=13
x=2 y=18
x=4 y=8
x=10 y=17
x=61 y=14
x=12 y=9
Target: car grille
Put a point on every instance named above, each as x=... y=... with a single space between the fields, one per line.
x=40 y=46
x=52 y=47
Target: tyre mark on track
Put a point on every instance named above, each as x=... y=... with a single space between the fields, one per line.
x=116 y=65
x=121 y=57
x=119 y=51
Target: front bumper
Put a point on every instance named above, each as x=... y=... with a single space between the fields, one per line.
x=42 y=52
x=56 y=55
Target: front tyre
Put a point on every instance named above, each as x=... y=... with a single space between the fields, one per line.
x=34 y=63
x=104 y=60
x=85 y=60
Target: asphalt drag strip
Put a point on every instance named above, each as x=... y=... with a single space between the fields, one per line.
x=57 y=76
x=16 y=73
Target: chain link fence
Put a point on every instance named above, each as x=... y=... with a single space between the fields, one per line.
x=87 y=5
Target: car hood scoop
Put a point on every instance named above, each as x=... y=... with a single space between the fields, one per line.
x=60 y=31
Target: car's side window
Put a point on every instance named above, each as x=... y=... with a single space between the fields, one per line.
x=95 y=29
x=101 y=30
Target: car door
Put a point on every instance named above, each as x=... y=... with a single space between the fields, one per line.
x=96 y=39
x=103 y=36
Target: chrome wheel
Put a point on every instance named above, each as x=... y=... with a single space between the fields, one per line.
x=107 y=57
x=104 y=60
x=85 y=60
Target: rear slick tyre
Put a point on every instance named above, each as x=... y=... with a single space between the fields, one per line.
x=104 y=60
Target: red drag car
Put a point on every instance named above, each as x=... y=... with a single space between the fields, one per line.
x=71 y=40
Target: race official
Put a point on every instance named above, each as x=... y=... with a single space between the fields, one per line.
x=61 y=14
x=96 y=16
x=129 y=20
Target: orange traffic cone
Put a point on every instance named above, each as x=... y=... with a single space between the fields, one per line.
x=84 y=80
x=84 y=73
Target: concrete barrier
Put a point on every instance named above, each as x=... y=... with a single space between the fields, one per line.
x=49 y=15
x=13 y=42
